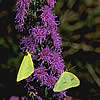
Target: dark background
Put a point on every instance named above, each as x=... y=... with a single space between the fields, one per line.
x=80 y=31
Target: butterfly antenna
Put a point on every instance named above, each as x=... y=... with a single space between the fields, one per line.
x=72 y=67
x=68 y=68
x=69 y=64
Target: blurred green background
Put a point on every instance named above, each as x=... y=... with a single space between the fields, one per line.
x=80 y=31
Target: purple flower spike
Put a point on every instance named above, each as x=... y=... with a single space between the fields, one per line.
x=21 y=12
x=44 y=43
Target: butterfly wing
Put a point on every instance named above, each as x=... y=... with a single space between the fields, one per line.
x=74 y=80
x=26 y=68
x=67 y=80
x=63 y=83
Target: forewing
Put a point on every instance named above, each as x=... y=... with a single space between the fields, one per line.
x=26 y=68
x=67 y=80
x=63 y=83
x=74 y=80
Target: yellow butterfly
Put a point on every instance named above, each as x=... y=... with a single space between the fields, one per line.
x=67 y=80
x=26 y=68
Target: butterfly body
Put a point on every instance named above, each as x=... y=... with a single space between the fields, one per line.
x=67 y=80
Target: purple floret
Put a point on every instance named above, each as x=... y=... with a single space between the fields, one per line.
x=50 y=81
x=48 y=18
x=21 y=13
x=61 y=95
x=49 y=22
x=56 y=40
x=28 y=43
x=51 y=3
x=14 y=98
x=46 y=55
x=57 y=64
x=38 y=97
x=40 y=74
x=53 y=58
x=39 y=33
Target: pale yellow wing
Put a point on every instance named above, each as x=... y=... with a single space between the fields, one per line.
x=26 y=68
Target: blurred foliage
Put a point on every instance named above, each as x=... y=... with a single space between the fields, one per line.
x=80 y=32
x=10 y=55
